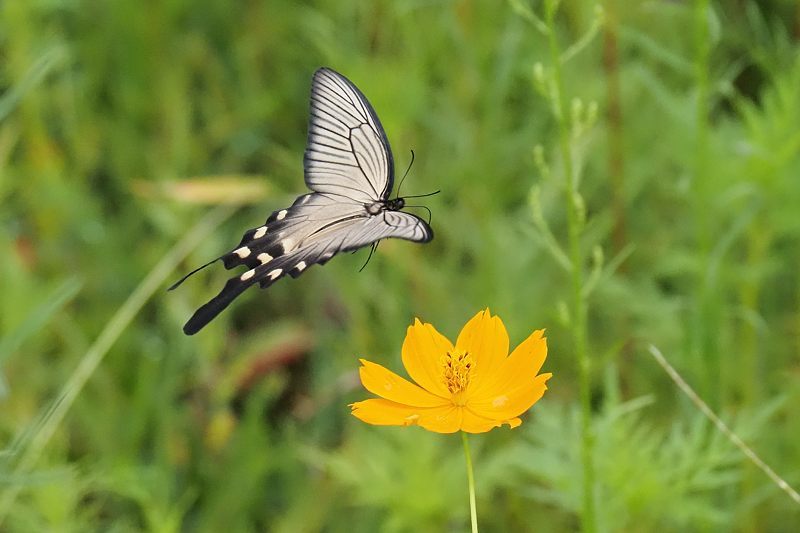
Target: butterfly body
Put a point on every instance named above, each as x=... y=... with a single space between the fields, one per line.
x=350 y=170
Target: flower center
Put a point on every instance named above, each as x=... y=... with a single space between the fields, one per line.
x=456 y=368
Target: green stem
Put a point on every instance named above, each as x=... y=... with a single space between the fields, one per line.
x=473 y=510
x=574 y=227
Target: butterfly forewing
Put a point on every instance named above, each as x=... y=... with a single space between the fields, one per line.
x=347 y=151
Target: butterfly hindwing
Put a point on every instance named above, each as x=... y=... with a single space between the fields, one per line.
x=270 y=258
x=264 y=274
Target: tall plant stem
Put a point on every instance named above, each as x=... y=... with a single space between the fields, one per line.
x=575 y=214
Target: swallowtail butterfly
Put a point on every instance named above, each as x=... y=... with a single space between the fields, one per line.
x=350 y=171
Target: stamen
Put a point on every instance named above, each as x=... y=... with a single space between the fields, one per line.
x=456 y=369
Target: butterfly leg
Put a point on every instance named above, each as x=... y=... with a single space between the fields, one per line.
x=371 y=251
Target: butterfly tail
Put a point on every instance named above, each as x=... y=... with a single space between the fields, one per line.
x=207 y=312
x=264 y=273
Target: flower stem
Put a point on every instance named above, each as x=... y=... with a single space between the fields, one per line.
x=575 y=224
x=473 y=510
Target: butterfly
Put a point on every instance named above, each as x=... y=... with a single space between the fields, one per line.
x=349 y=168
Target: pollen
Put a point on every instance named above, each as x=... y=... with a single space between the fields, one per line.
x=456 y=369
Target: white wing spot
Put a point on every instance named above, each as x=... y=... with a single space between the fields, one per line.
x=260 y=232
x=264 y=258
x=275 y=273
x=281 y=214
x=300 y=266
x=249 y=274
x=242 y=252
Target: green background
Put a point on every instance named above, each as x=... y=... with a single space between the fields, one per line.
x=125 y=124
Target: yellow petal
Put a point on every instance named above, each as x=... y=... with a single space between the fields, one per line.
x=441 y=419
x=534 y=347
x=379 y=412
x=485 y=338
x=473 y=423
x=518 y=368
x=422 y=350
x=378 y=380
x=510 y=403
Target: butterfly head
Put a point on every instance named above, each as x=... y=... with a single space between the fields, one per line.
x=395 y=204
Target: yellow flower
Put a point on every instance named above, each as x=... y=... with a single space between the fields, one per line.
x=473 y=386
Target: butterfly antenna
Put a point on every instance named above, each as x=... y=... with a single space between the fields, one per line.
x=405 y=173
x=195 y=271
x=430 y=215
x=371 y=251
x=422 y=195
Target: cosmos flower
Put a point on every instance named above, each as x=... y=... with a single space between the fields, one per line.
x=473 y=386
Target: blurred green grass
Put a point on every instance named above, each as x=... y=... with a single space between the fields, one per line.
x=105 y=107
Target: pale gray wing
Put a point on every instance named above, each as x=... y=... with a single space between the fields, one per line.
x=312 y=231
x=361 y=232
x=347 y=152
